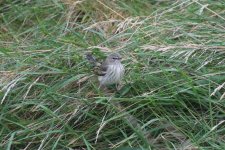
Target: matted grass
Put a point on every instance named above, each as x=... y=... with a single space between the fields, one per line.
x=172 y=96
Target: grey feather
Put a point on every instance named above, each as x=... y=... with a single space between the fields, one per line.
x=99 y=68
x=110 y=71
x=90 y=58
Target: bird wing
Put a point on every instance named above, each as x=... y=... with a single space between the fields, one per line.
x=99 y=68
x=103 y=68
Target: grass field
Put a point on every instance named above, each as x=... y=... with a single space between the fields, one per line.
x=172 y=96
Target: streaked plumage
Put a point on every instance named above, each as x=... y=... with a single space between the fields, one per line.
x=110 y=71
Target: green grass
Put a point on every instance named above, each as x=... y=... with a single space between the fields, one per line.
x=173 y=90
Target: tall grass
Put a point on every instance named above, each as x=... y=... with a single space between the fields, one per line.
x=172 y=96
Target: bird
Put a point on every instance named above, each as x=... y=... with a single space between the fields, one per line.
x=110 y=71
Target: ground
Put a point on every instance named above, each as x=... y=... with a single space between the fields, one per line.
x=172 y=95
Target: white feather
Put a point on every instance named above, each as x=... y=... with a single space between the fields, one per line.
x=113 y=74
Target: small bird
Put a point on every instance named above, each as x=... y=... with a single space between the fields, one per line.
x=110 y=71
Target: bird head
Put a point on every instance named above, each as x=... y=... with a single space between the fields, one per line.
x=114 y=58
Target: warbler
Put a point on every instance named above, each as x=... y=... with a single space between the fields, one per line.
x=110 y=71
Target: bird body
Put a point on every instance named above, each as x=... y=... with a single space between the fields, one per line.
x=113 y=74
x=109 y=72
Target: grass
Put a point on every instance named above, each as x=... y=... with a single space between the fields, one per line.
x=172 y=95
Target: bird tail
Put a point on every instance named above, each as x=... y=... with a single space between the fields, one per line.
x=96 y=66
x=91 y=58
